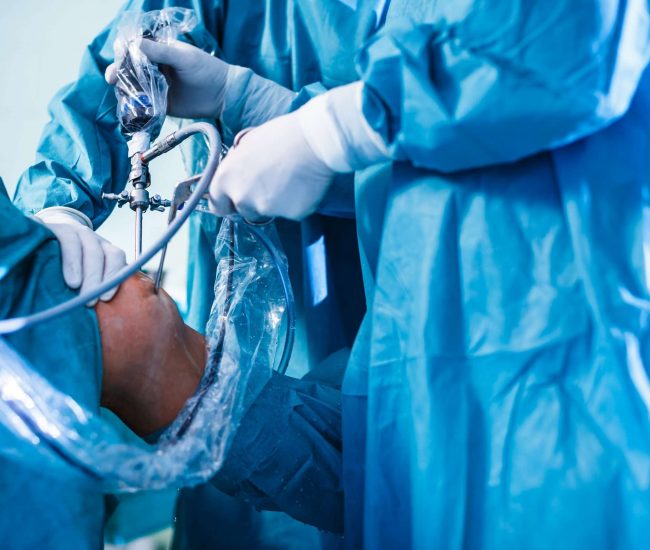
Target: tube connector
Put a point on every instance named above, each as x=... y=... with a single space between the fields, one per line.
x=139 y=176
x=160 y=148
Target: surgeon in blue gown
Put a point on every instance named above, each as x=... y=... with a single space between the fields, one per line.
x=66 y=505
x=497 y=394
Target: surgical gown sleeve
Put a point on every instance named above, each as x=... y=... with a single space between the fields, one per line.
x=82 y=152
x=479 y=83
x=286 y=454
x=45 y=501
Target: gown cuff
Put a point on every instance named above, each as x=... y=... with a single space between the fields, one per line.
x=338 y=132
x=251 y=100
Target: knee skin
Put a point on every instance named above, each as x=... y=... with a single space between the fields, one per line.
x=153 y=362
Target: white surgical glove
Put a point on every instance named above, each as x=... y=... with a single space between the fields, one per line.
x=87 y=258
x=203 y=86
x=284 y=167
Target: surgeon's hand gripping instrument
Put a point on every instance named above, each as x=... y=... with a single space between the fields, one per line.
x=141 y=92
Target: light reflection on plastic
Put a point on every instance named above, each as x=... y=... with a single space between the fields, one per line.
x=646 y=241
x=317 y=271
x=636 y=369
x=11 y=392
x=275 y=317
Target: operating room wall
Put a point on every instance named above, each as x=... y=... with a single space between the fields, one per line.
x=41 y=44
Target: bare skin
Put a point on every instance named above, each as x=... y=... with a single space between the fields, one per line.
x=153 y=362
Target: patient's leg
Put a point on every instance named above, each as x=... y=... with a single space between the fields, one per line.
x=153 y=362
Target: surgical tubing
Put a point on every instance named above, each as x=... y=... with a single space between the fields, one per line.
x=9 y=326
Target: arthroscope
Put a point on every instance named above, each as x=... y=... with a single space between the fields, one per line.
x=140 y=117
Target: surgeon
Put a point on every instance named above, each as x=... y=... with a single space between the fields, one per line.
x=497 y=393
x=68 y=508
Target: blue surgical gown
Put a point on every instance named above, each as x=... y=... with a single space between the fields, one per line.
x=497 y=393
x=46 y=505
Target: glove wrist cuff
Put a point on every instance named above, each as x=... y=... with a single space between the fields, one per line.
x=251 y=100
x=63 y=214
x=337 y=131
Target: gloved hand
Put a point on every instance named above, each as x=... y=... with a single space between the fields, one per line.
x=196 y=79
x=87 y=258
x=284 y=167
x=203 y=86
x=271 y=172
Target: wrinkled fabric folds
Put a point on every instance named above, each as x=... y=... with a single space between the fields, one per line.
x=497 y=393
x=500 y=374
x=286 y=454
x=67 y=503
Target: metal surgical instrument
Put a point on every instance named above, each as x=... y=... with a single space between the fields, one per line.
x=8 y=326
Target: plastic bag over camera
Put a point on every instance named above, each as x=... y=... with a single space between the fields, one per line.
x=246 y=330
x=141 y=89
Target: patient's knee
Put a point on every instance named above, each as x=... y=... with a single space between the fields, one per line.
x=136 y=322
x=153 y=362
